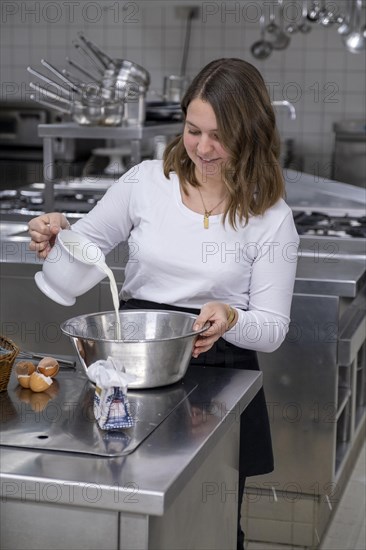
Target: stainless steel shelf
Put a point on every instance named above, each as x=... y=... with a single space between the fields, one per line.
x=71 y=130
x=75 y=131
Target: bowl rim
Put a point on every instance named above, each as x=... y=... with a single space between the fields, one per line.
x=68 y=322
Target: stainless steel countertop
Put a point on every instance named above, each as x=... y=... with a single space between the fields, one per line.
x=338 y=278
x=149 y=478
x=309 y=192
x=73 y=429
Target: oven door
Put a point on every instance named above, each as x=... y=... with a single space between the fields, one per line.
x=17 y=172
x=19 y=125
x=21 y=154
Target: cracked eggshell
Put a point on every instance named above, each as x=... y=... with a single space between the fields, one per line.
x=25 y=367
x=38 y=382
x=48 y=366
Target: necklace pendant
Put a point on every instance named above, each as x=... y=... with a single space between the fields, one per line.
x=206 y=220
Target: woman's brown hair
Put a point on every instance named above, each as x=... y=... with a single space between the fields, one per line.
x=247 y=128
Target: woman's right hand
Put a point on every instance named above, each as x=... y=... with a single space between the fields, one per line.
x=43 y=231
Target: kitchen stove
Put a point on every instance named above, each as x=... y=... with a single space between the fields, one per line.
x=322 y=224
x=74 y=197
x=78 y=197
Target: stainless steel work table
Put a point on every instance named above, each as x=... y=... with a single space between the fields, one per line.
x=176 y=490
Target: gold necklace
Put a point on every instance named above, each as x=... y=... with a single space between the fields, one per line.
x=208 y=213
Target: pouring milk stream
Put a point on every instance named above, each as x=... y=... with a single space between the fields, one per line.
x=82 y=254
x=74 y=266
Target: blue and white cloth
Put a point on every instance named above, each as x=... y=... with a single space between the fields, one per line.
x=111 y=406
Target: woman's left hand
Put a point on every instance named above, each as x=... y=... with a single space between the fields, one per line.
x=216 y=313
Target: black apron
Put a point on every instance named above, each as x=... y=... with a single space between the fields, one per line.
x=256 y=456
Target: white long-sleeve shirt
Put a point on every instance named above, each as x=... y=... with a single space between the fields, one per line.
x=175 y=260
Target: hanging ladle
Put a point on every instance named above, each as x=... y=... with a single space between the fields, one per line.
x=262 y=48
x=292 y=28
x=326 y=17
x=344 y=27
x=314 y=12
x=280 y=39
x=304 y=26
x=175 y=85
x=355 y=41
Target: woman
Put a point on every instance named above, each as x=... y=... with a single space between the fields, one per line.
x=211 y=233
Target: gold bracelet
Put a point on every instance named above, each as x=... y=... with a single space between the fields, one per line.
x=231 y=316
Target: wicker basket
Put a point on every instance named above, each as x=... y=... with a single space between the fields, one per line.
x=6 y=361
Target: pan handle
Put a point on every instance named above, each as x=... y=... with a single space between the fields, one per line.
x=59 y=75
x=81 y=69
x=50 y=105
x=49 y=81
x=50 y=95
x=91 y=59
x=102 y=57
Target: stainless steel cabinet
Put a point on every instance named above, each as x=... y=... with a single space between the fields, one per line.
x=316 y=397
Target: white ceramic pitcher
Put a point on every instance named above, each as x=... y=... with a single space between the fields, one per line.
x=72 y=267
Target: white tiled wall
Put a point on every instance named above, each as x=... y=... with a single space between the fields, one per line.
x=324 y=81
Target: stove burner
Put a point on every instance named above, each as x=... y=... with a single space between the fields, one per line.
x=318 y=223
x=358 y=232
x=311 y=219
x=32 y=200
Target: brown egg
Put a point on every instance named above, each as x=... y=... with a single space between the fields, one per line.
x=39 y=401
x=25 y=367
x=24 y=380
x=48 y=366
x=38 y=382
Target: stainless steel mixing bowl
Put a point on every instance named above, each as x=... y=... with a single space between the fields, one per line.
x=156 y=346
